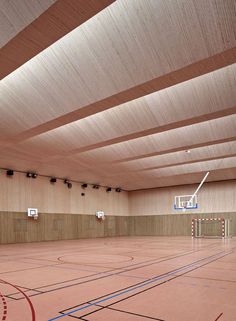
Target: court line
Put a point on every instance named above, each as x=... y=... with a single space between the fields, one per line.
x=31 y=268
x=219 y=316
x=118 y=310
x=145 y=290
x=156 y=261
x=210 y=279
x=27 y=298
x=132 y=313
x=167 y=259
x=135 y=287
x=4 y=302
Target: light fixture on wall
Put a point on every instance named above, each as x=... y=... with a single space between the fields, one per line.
x=9 y=172
x=32 y=175
x=53 y=180
x=28 y=174
x=68 y=183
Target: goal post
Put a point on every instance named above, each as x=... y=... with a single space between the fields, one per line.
x=211 y=228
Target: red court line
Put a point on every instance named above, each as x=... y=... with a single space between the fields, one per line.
x=27 y=298
x=219 y=316
x=4 y=302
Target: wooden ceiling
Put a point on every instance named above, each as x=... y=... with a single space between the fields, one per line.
x=115 y=92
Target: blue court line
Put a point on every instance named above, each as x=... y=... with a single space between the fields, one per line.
x=138 y=286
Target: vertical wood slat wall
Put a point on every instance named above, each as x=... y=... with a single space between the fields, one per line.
x=174 y=225
x=18 y=228
x=135 y=213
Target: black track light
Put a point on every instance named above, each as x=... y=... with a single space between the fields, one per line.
x=96 y=186
x=69 y=185
x=66 y=181
x=84 y=185
x=28 y=174
x=53 y=180
x=118 y=189
x=10 y=172
x=108 y=189
x=32 y=175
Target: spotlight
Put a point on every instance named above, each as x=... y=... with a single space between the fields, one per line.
x=82 y=194
x=28 y=174
x=188 y=151
x=84 y=185
x=10 y=172
x=53 y=180
x=118 y=189
x=108 y=189
x=69 y=185
x=34 y=175
x=96 y=186
x=66 y=181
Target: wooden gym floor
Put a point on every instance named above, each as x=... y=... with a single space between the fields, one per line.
x=119 y=279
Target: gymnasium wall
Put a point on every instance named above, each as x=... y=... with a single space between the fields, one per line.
x=152 y=211
x=63 y=212
x=174 y=224
x=215 y=197
x=18 y=192
x=15 y=227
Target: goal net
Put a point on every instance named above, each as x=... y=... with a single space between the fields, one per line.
x=211 y=228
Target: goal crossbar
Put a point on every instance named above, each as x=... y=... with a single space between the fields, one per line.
x=197 y=227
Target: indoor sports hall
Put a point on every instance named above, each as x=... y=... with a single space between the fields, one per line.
x=118 y=160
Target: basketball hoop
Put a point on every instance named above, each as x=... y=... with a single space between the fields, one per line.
x=100 y=215
x=183 y=202
x=33 y=213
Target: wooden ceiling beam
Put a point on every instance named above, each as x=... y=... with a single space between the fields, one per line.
x=146 y=169
x=151 y=131
x=188 y=179
x=177 y=149
x=62 y=17
x=202 y=67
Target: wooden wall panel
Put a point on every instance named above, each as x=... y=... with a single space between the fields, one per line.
x=214 y=197
x=173 y=225
x=17 y=193
x=17 y=227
